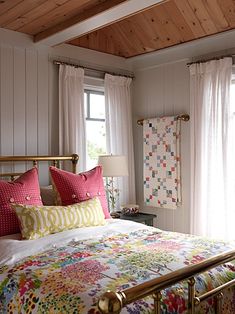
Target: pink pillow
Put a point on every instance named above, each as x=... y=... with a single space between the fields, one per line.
x=76 y=188
x=24 y=190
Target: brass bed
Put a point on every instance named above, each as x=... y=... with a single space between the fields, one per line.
x=114 y=302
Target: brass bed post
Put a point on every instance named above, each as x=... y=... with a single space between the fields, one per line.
x=191 y=295
x=157 y=296
x=75 y=159
x=219 y=303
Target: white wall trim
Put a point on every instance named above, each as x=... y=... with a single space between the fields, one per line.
x=98 y=60
x=161 y=64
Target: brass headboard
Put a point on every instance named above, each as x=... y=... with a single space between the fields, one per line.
x=35 y=159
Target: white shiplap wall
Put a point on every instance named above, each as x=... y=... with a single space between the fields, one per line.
x=24 y=104
x=158 y=91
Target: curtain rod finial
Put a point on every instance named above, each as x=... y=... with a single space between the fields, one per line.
x=183 y=117
x=140 y=122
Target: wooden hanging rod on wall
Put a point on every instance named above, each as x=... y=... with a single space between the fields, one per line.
x=57 y=62
x=183 y=117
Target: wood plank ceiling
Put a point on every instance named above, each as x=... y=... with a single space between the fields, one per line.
x=35 y=16
x=166 y=24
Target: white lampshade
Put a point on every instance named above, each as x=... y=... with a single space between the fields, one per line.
x=113 y=165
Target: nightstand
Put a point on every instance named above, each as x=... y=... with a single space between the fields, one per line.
x=143 y=218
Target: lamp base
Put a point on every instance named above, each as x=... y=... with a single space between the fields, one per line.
x=115 y=215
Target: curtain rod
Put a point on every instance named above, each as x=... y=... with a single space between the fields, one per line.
x=211 y=59
x=91 y=69
x=183 y=117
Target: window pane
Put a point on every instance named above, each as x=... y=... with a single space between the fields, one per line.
x=97 y=106
x=96 y=141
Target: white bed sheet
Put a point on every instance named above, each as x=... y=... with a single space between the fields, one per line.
x=12 y=248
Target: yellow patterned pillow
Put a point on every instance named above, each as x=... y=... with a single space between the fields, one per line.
x=39 y=221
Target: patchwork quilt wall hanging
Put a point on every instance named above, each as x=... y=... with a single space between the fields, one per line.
x=161 y=147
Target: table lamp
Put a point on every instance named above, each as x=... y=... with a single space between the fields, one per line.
x=113 y=166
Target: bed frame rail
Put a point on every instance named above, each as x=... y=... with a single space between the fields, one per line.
x=35 y=159
x=113 y=302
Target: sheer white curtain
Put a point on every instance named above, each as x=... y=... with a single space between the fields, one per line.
x=212 y=150
x=72 y=137
x=119 y=130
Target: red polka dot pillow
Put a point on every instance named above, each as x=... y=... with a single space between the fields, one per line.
x=76 y=188
x=24 y=190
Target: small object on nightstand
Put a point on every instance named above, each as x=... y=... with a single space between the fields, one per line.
x=129 y=209
x=115 y=215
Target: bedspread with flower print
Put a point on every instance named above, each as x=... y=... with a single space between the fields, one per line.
x=70 y=279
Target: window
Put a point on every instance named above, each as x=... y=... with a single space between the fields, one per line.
x=95 y=126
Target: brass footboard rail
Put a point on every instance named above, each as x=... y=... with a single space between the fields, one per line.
x=113 y=302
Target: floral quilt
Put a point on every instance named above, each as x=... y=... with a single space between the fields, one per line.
x=70 y=279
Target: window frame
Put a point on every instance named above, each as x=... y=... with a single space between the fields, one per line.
x=88 y=104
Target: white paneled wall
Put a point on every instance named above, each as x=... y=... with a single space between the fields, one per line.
x=24 y=103
x=158 y=91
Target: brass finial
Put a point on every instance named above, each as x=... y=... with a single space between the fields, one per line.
x=111 y=302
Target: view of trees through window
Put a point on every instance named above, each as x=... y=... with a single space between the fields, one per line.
x=95 y=126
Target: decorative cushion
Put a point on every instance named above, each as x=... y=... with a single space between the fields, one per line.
x=39 y=221
x=48 y=195
x=24 y=190
x=74 y=188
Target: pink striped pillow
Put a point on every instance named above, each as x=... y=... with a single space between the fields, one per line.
x=24 y=190
x=76 y=188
